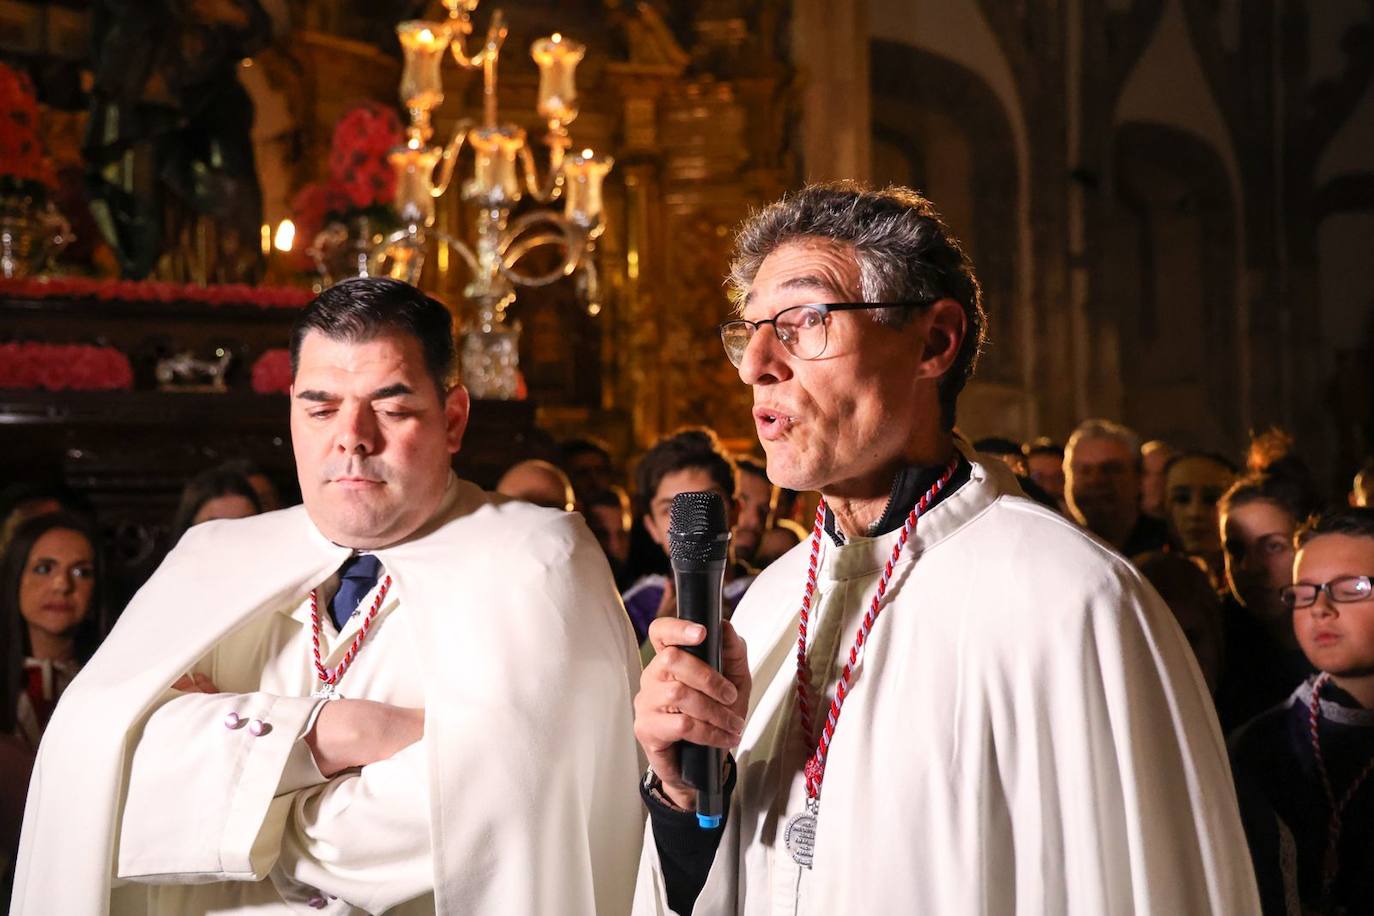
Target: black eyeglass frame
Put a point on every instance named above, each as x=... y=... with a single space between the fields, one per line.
x=825 y=308
x=1288 y=595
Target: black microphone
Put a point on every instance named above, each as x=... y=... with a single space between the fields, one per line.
x=698 y=535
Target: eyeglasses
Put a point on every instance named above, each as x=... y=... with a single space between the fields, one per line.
x=1344 y=590
x=801 y=329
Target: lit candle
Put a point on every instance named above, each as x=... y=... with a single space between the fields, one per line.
x=557 y=58
x=286 y=235
x=414 y=167
x=494 y=178
x=583 y=175
x=423 y=44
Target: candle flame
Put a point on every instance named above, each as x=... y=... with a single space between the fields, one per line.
x=286 y=235
x=587 y=153
x=557 y=37
x=426 y=36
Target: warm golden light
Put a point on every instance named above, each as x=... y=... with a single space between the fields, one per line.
x=286 y=235
x=582 y=193
x=557 y=58
x=494 y=178
x=422 y=86
x=414 y=166
x=266 y=239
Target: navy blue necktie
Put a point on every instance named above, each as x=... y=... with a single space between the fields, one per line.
x=356 y=578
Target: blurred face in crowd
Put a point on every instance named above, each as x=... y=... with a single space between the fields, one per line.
x=230 y=505
x=1193 y=486
x=610 y=525
x=589 y=471
x=372 y=436
x=537 y=482
x=755 y=502
x=1154 y=457
x=1102 y=486
x=840 y=422
x=57 y=583
x=1047 y=471
x=1017 y=463
x=1258 y=537
x=1336 y=636
x=686 y=480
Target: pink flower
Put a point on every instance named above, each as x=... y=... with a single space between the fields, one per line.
x=272 y=372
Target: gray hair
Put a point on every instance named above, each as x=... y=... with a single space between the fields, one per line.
x=1103 y=429
x=904 y=250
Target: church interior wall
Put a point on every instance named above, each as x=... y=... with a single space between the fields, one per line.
x=1168 y=201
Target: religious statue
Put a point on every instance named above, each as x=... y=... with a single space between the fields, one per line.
x=169 y=156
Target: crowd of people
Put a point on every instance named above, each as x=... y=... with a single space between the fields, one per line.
x=1019 y=645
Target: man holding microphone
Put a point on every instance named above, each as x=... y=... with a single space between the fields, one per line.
x=949 y=700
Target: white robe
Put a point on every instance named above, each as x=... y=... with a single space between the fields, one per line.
x=527 y=665
x=1026 y=733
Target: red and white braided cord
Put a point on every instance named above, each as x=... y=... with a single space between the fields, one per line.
x=332 y=675
x=815 y=764
x=1330 y=864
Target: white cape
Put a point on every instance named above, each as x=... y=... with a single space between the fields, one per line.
x=1027 y=733
x=529 y=668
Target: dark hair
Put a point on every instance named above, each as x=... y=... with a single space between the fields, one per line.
x=16 y=643
x=1354 y=521
x=612 y=497
x=904 y=250
x=202 y=488
x=694 y=447
x=1044 y=446
x=997 y=445
x=363 y=308
x=1209 y=456
x=583 y=445
x=1291 y=493
x=748 y=464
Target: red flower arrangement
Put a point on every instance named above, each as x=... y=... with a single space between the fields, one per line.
x=154 y=291
x=272 y=372
x=361 y=182
x=24 y=168
x=64 y=367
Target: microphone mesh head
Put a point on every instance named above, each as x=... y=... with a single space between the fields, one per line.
x=697 y=527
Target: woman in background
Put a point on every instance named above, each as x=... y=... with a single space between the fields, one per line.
x=52 y=616
x=216 y=493
x=1261 y=661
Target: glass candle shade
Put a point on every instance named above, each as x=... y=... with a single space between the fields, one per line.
x=415 y=182
x=424 y=44
x=557 y=58
x=583 y=175
x=494 y=178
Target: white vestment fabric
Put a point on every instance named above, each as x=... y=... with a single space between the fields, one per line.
x=502 y=622
x=1026 y=733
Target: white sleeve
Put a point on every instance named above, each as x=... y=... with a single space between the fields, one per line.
x=208 y=802
x=362 y=837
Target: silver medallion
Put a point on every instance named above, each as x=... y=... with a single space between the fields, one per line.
x=800 y=837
